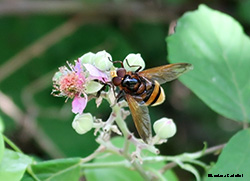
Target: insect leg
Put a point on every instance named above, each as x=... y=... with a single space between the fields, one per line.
x=120 y=96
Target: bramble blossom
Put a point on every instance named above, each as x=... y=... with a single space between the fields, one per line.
x=85 y=79
x=77 y=82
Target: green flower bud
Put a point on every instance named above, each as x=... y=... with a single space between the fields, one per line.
x=82 y=123
x=87 y=58
x=103 y=60
x=164 y=128
x=92 y=87
x=134 y=61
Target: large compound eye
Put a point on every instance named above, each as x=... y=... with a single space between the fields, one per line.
x=121 y=72
x=117 y=81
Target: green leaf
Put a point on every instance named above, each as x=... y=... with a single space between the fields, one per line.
x=234 y=158
x=1 y=125
x=219 y=50
x=54 y=170
x=190 y=169
x=13 y=165
x=170 y=175
x=1 y=147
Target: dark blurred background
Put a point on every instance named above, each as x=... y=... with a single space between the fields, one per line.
x=36 y=37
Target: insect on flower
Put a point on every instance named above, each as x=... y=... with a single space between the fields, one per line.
x=142 y=89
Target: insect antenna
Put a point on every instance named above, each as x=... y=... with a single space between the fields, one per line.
x=117 y=61
x=137 y=70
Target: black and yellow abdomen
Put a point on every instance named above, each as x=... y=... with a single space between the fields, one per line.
x=145 y=92
x=155 y=95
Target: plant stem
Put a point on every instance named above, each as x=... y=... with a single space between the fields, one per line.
x=100 y=149
x=206 y=152
x=126 y=146
x=245 y=125
x=123 y=127
x=30 y=171
x=15 y=148
x=135 y=164
x=213 y=149
x=139 y=168
x=11 y=144
x=120 y=121
x=124 y=163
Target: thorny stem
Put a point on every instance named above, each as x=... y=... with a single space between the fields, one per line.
x=124 y=163
x=123 y=127
x=126 y=146
x=201 y=153
x=120 y=121
x=148 y=160
x=213 y=149
x=100 y=149
x=131 y=162
x=245 y=124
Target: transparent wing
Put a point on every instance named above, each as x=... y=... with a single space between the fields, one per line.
x=166 y=73
x=141 y=118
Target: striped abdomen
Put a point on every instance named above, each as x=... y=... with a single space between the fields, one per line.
x=155 y=95
x=146 y=92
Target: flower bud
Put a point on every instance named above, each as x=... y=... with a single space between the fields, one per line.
x=164 y=128
x=135 y=61
x=102 y=60
x=82 y=123
x=87 y=58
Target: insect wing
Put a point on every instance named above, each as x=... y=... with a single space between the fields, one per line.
x=141 y=118
x=166 y=73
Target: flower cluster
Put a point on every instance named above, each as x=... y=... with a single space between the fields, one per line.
x=85 y=79
x=82 y=79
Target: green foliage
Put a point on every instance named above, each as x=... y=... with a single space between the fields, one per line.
x=13 y=165
x=1 y=125
x=119 y=172
x=1 y=146
x=112 y=173
x=210 y=40
x=219 y=50
x=54 y=170
x=234 y=158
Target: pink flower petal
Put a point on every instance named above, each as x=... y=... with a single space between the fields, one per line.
x=79 y=104
x=79 y=72
x=78 y=67
x=95 y=73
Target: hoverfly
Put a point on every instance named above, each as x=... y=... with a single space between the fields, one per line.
x=142 y=89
